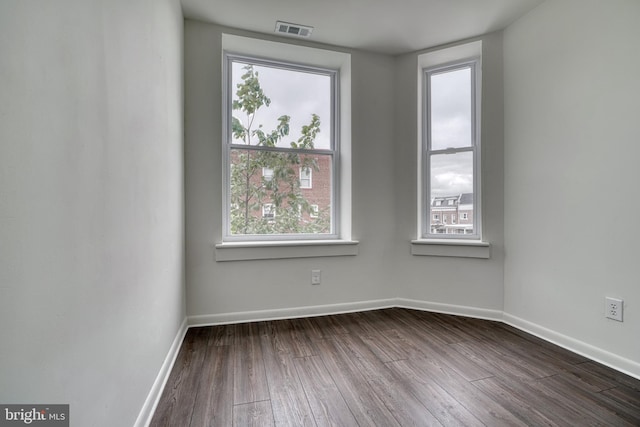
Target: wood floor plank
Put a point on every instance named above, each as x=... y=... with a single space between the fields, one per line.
x=588 y=380
x=364 y=404
x=254 y=414
x=593 y=404
x=179 y=395
x=626 y=398
x=214 y=401
x=487 y=410
x=404 y=406
x=291 y=336
x=611 y=375
x=223 y=334
x=436 y=349
x=444 y=407
x=322 y=327
x=500 y=361
x=530 y=407
x=384 y=349
x=250 y=381
x=325 y=399
x=560 y=352
x=288 y=401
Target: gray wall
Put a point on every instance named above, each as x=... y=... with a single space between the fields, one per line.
x=91 y=202
x=572 y=91
x=463 y=282
x=384 y=147
x=245 y=286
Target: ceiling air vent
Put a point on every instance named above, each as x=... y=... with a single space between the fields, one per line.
x=294 y=30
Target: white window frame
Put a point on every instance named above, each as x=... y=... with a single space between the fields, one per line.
x=309 y=178
x=333 y=151
x=474 y=64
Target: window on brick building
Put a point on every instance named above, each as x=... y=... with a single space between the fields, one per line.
x=305 y=177
x=268 y=211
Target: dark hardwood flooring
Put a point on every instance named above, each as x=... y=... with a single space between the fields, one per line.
x=393 y=367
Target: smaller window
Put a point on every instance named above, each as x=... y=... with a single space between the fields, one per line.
x=436 y=217
x=305 y=177
x=268 y=211
x=314 y=211
x=267 y=174
x=450 y=145
x=465 y=216
x=453 y=218
x=444 y=219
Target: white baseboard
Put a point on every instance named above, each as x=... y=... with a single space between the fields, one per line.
x=589 y=351
x=150 y=404
x=289 y=313
x=458 y=310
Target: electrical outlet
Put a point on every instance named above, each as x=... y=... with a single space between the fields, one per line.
x=613 y=308
x=315 y=277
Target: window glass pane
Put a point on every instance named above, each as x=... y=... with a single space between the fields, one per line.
x=450 y=110
x=451 y=205
x=272 y=106
x=291 y=209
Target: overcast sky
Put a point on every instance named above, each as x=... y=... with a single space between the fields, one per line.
x=293 y=93
x=451 y=174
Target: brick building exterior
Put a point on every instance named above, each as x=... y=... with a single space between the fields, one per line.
x=452 y=214
x=315 y=188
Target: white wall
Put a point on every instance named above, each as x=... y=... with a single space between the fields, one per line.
x=91 y=202
x=466 y=282
x=216 y=288
x=571 y=174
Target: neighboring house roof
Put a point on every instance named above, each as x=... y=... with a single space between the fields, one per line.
x=466 y=199
x=460 y=199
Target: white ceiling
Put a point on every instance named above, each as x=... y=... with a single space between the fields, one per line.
x=386 y=26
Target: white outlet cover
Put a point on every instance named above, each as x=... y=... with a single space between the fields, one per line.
x=613 y=308
x=315 y=277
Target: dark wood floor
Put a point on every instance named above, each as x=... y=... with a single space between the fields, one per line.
x=392 y=367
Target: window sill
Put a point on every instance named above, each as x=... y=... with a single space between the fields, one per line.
x=245 y=251
x=451 y=248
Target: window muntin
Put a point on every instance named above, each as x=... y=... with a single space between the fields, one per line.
x=281 y=125
x=451 y=153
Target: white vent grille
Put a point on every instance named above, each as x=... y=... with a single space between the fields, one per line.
x=293 y=30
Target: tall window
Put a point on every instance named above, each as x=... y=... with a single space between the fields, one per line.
x=281 y=129
x=451 y=148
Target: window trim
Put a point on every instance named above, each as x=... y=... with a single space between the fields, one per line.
x=334 y=151
x=475 y=64
x=344 y=245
